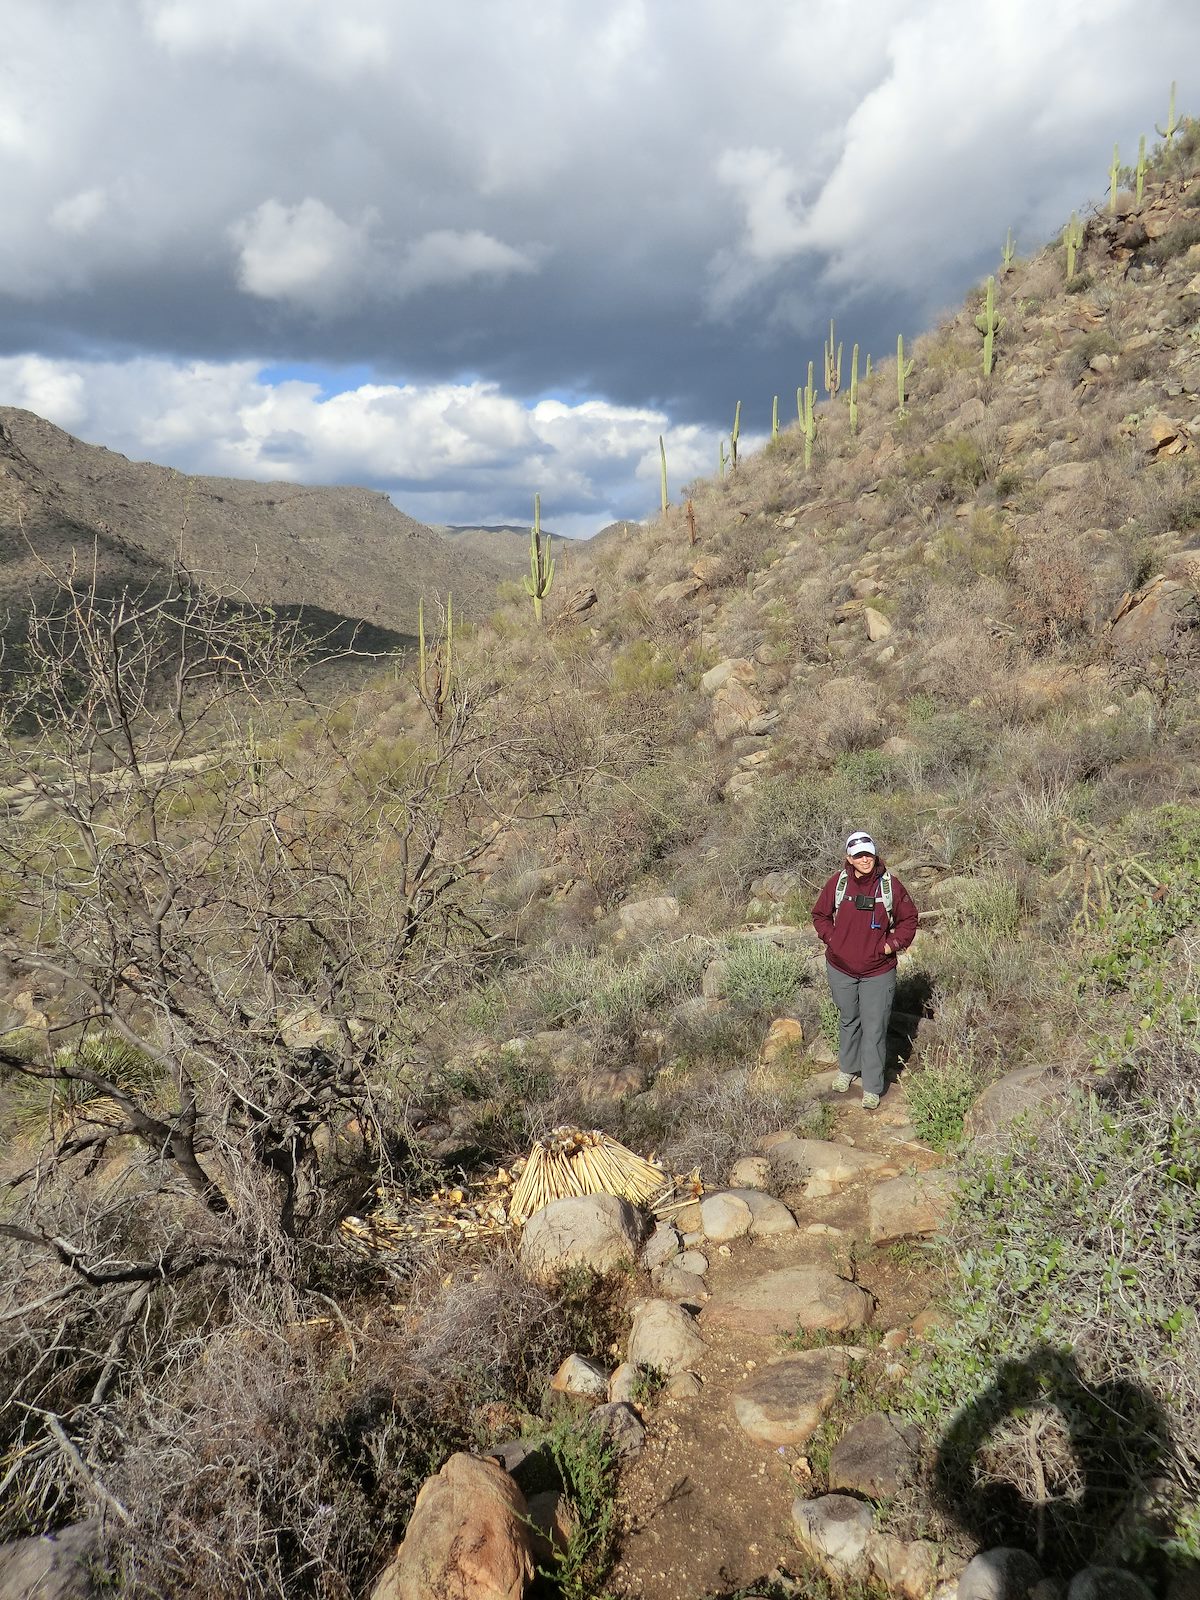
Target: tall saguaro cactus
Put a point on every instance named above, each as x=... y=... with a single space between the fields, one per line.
x=1114 y=173
x=733 y=437
x=1172 y=127
x=435 y=665
x=833 y=364
x=1072 y=239
x=774 y=419
x=541 y=562
x=1139 y=172
x=1006 y=255
x=854 y=390
x=662 y=451
x=722 y=458
x=810 y=417
x=989 y=324
x=903 y=373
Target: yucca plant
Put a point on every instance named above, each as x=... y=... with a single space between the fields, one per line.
x=54 y=1102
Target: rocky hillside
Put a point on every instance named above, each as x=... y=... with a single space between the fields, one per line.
x=346 y=552
x=946 y=1347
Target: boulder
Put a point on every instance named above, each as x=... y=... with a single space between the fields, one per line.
x=678 y=594
x=674 y=1282
x=790 y=1297
x=1012 y=1096
x=580 y=1378
x=664 y=1337
x=1161 y=619
x=662 y=1244
x=874 y=1456
x=750 y=1172
x=834 y=1531
x=784 y=1034
x=736 y=709
x=878 y=626
x=724 y=1216
x=907 y=1568
x=641 y=918
x=598 y=1231
x=767 y=1215
x=52 y=1566
x=999 y=1574
x=1107 y=1583
x=784 y=1401
x=621 y=1427
x=467 y=1537
x=1067 y=475
x=909 y=1207
x=733 y=669
x=796 y=1162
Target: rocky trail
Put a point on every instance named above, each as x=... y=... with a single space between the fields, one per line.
x=707 y=1506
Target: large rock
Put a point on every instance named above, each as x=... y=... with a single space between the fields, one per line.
x=790 y=1297
x=724 y=1216
x=621 y=1428
x=664 y=1337
x=1107 y=1583
x=834 y=1531
x=1028 y=1089
x=999 y=1574
x=906 y=1568
x=874 y=1456
x=797 y=1162
x=767 y=1215
x=910 y=1207
x=736 y=709
x=467 y=1538
x=784 y=1401
x=641 y=918
x=580 y=1378
x=56 y=1566
x=598 y=1231
x=1161 y=619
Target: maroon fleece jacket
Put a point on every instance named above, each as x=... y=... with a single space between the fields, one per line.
x=851 y=944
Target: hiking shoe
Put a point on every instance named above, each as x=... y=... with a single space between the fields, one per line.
x=841 y=1083
x=870 y=1101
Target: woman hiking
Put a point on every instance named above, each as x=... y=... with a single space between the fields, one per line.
x=864 y=917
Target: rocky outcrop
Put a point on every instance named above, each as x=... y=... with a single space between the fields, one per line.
x=467 y=1538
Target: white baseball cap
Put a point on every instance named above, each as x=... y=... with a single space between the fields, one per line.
x=859 y=844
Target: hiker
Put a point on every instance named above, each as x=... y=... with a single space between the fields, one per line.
x=864 y=918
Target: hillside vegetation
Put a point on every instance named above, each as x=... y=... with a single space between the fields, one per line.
x=562 y=874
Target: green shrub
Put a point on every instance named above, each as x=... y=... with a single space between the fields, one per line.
x=762 y=978
x=939 y=1094
x=798 y=824
x=1175 y=242
x=587 y=1467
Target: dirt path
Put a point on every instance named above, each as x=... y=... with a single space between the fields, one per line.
x=707 y=1510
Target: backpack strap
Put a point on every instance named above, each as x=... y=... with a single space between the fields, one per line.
x=885 y=894
x=839 y=893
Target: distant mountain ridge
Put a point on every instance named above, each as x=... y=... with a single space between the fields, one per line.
x=344 y=551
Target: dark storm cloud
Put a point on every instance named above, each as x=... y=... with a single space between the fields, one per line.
x=645 y=210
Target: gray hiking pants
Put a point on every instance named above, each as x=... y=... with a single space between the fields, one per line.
x=864 y=1005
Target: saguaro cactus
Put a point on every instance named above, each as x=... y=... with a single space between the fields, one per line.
x=810 y=417
x=662 y=451
x=1168 y=133
x=733 y=437
x=903 y=373
x=1114 y=173
x=833 y=364
x=541 y=562
x=1140 y=171
x=722 y=458
x=774 y=419
x=854 y=390
x=435 y=666
x=1072 y=239
x=867 y=379
x=1006 y=255
x=989 y=324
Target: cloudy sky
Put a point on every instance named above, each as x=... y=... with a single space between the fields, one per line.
x=467 y=249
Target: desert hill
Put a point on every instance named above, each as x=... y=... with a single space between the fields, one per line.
x=347 y=552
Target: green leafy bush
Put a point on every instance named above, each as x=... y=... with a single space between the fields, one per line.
x=762 y=978
x=939 y=1095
